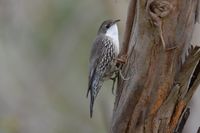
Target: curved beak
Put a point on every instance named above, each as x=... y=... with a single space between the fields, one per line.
x=115 y=21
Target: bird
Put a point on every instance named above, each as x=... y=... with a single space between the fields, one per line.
x=103 y=58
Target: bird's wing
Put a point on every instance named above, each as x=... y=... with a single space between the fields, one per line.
x=96 y=53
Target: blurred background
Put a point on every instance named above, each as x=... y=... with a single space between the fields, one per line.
x=44 y=52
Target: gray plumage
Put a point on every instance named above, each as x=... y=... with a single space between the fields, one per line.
x=102 y=60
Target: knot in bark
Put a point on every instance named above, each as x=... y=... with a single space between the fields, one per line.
x=160 y=8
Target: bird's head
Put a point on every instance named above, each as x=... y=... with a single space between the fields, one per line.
x=109 y=27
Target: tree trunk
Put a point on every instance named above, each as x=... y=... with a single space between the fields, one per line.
x=162 y=67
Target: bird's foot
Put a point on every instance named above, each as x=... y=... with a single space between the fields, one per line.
x=114 y=80
x=122 y=59
x=122 y=76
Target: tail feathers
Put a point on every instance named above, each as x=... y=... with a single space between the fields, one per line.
x=91 y=104
x=91 y=79
x=93 y=89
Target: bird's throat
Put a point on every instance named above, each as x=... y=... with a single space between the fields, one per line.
x=112 y=32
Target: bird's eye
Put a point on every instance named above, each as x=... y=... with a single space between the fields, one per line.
x=107 y=26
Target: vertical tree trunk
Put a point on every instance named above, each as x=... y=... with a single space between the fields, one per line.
x=162 y=68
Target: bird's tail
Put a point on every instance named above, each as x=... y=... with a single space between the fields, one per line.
x=93 y=89
x=92 y=98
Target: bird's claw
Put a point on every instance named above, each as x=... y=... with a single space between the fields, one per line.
x=122 y=59
x=113 y=85
x=122 y=76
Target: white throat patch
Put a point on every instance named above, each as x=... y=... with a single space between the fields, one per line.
x=112 y=32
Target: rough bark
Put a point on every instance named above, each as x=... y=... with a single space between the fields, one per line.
x=162 y=67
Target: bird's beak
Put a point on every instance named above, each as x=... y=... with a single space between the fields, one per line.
x=115 y=21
